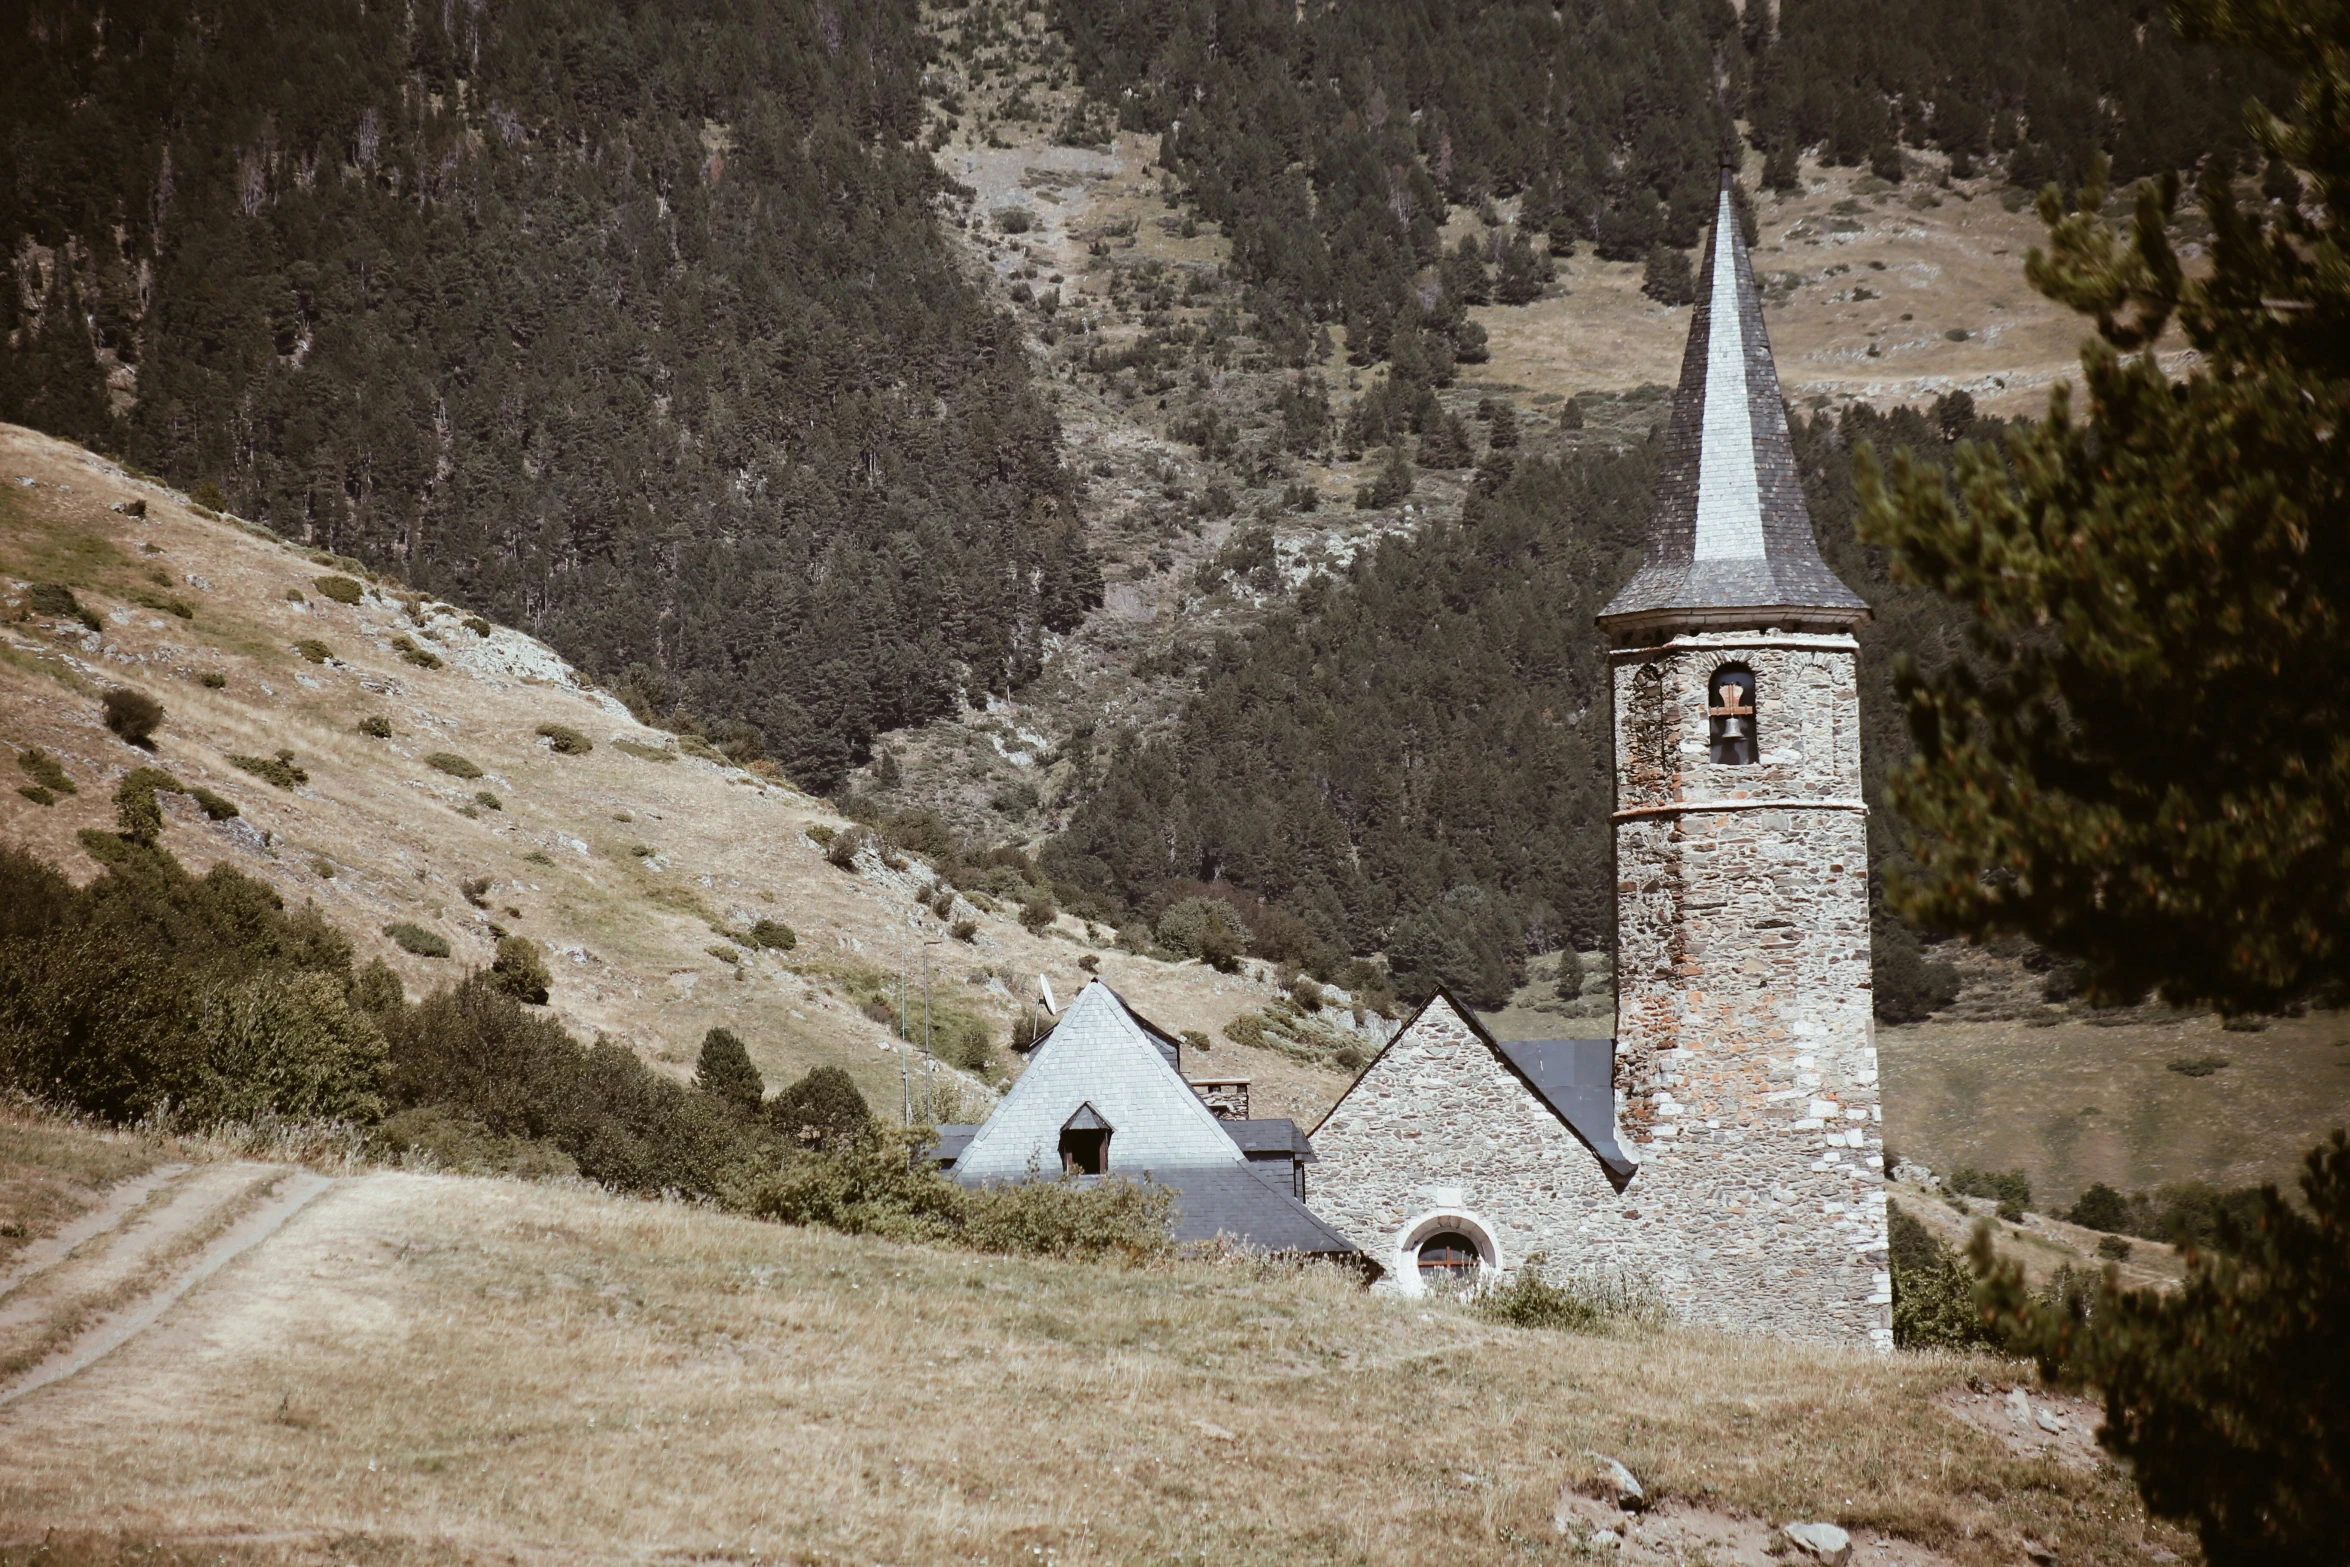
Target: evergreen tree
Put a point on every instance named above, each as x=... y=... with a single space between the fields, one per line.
x=1669 y=277
x=725 y=1072
x=822 y=1111
x=2144 y=766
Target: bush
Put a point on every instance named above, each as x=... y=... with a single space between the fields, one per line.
x=565 y=741
x=42 y=769
x=415 y=938
x=878 y=1184
x=213 y=679
x=1037 y=914
x=1933 y=1293
x=1570 y=980
x=2100 y=1208
x=57 y=601
x=842 y=851
x=478 y=626
x=473 y=1049
x=822 y=1110
x=965 y=930
x=1580 y=1303
x=2223 y=1395
x=376 y=727
x=454 y=765
x=488 y=801
x=726 y=1074
x=287 y=1045
x=1905 y=987
x=2008 y=1188
x=519 y=971
x=2113 y=1248
x=218 y=807
x=341 y=589
x=1014 y=220
x=1669 y=277
x=137 y=812
x=133 y=715
x=1068 y=1218
x=410 y=652
x=774 y=935
x=463 y=1146
x=314 y=650
x=1209 y=929
x=279 y=770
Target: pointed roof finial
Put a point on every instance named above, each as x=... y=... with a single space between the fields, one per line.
x=1730 y=544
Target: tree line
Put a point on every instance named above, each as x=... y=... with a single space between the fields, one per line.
x=631 y=325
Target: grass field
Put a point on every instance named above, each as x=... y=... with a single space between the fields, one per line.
x=422 y=1368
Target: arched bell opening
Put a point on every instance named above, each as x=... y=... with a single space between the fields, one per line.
x=1733 y=740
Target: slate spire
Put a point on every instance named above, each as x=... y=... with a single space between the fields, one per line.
x=1730 y=545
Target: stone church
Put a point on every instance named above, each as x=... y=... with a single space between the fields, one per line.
x=1727 y=1142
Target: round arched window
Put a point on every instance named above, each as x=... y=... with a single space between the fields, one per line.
x=1447 y=1257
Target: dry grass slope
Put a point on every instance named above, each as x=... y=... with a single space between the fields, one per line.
x=422 y=1368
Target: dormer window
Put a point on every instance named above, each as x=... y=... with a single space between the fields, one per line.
x=1085 y=1143
x=1730 y=716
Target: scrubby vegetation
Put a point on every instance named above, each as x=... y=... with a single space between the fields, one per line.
x=565 y=741
x=1585 y=1302
x=412 y=937
x=454 y=765
x=133 y=715
x=1933 y=1291
x=341 y=589
x=2181 y=1213
x=278 y=770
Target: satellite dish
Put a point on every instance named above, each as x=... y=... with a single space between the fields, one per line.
x=1044 y=988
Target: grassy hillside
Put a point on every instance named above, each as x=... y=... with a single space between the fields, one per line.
x=635 y=866
x=421 y=1368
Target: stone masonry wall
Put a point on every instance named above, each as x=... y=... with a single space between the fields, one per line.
x=1745 y=1057
x=1439 y=1130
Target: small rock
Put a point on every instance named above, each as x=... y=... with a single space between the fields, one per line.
x=2019 y=1408
x=2048 y=1420
x=2042 y=1555
x=1213 y=1431
x=1604 y=1537
x=1629 y=1496
x=1822 y=1542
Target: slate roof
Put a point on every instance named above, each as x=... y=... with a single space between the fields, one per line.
x=1099 y=1055
x=1272 y=1140
x=952 y=1140
x=1243 y=1205
x=1730 y=542
x=1577 y=1079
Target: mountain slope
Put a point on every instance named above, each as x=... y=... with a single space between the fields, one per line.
x=635 y=866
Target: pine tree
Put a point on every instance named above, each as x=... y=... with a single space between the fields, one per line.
x=2147 y=765
x=726 y=1074
x=1669 y=278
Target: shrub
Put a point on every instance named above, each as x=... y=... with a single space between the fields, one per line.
x=212 y=679
x=57 y=601
x=822 y=1110
x=376 y=727
x=842 y=851
x=279 y=770
x=42 y=769
x=2113 y=1248
x=1570 y=980
x=1014 y=220
x=774 y=935
x=965 y=930
x=1205 y=928
x=137 y=813
x=341 y=589
x=822 y=835
x=645 y=753
x=488 y=801
x=519 y=971
x=565 y=741
x=133 y=715
x=2008 y=1188
x=36 y=794
x=474 y=1049
x=2100 y=1208
x=1037 y=914
x=314 y=650
x=1933 y=1293
x=1067 y=1218
x=867 y=1184
x=725 y=1072
x=463 y=1146
x=454 y=765
x=376 y=988
x=1580 y=1303
x=2224 y=1394
x=288 y=1045
x=415 y=938
x=478 y=626
x=421 y=657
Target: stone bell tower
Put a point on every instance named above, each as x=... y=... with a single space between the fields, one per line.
x=1745 y=1052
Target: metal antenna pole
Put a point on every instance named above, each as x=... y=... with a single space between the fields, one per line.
x=905 y=1067
x=929 y=1058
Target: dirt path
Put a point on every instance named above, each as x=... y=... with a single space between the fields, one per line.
x=113 y=1273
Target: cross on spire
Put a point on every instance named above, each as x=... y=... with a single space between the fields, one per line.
x=1730 y=545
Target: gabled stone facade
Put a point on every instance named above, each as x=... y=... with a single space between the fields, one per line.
x=1440 y=1135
